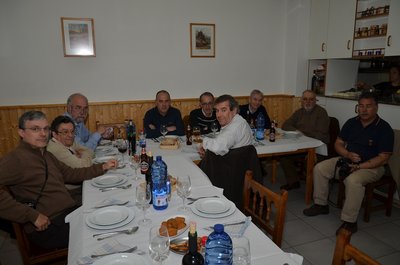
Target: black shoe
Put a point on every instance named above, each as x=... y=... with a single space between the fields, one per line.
x=316 y=209
x=295 y=185
x=352 y=227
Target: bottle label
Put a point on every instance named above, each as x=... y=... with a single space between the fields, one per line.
x=160 y=199
x=271 y=137
x=144 y=166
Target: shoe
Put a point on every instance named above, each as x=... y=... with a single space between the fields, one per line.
x=316 y=209
x=352 y=227
x=295 y=185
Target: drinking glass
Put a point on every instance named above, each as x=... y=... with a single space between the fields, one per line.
x=159 y=243
x=163 y=130
x=135 y=163
x=214 y=128
x=122 y=146
x=196 y=135
x=143 y=197
x=183 y=188
x=241 y=251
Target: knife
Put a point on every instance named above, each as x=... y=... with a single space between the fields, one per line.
x=227 y=224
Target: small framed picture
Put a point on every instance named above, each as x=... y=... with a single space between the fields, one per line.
x=78 y=37
x=202 y=40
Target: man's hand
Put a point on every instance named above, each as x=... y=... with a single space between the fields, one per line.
x=355 y=158
x=151 y=126
x=202 y=151
x=78 y=153
x=105 y=132
x=110 y=164
x=42 y=222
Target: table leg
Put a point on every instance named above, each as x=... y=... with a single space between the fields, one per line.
x=309 y=178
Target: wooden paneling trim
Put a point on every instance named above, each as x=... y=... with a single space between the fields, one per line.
x=279 y=107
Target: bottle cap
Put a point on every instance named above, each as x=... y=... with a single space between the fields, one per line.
x=219 y=228
x=203 y=240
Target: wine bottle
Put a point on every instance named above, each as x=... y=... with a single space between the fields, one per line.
x=192 y=257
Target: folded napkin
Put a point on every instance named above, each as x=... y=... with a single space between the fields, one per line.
x=109 y=247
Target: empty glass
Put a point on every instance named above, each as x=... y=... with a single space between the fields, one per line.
x=163 y=130
x=214 y=128
x=241 y=251
x=143 y=197
x=183 y=188
x=135 y=163
x=159 y=243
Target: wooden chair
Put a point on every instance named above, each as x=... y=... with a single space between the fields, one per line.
x=264 y=205
x=32 y=254
x=344 y=251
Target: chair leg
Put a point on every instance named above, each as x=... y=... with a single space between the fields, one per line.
x=389 y=202
x=369 y=194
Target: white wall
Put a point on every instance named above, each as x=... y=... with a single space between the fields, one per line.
x=143 y=46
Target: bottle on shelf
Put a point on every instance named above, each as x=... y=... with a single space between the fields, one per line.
x=149 y=180
x=160 y=189
x=131 y=136
x=272 y=132
x=189 y=135
x=192 y=257
x=260 y=127
x=144 y=161
x=219 y=247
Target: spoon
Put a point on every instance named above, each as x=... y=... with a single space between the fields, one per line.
x=119 y=187
x=110 y=234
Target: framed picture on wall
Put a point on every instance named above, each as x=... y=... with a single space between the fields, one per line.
x=78 y=37
x=202 y=40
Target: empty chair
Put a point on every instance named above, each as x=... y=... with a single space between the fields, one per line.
x=266 y=207
x=344 y=251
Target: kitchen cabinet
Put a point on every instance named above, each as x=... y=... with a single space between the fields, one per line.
x=331 y=28
x=393 y=33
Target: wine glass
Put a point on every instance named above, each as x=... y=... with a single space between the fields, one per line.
x=159 y=243
x=122 y=146
x=214 y=128
x=183 y=188
x=163 y=130
x=143 y=197
x=135 y=163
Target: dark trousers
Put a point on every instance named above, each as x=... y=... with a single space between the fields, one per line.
x=290 y=167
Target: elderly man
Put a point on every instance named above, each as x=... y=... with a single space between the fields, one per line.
x=163 y=114
x=251 y=111
x=37 y=196
x=235 y=131
x=313 y=121
x=204 y=117
x=366 y=144
x=77 y=110
x=63 y=146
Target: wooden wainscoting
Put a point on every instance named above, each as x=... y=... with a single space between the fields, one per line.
x=279 y=107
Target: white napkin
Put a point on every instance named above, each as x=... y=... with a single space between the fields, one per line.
x=109 y=247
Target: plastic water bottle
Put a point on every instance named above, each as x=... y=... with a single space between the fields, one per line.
x=219 y=247
x=160 y=188
x=260 y=126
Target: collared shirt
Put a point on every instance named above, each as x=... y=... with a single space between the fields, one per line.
x=83 y=136
x=233 y=135
x=368 y=142
x=172 y=118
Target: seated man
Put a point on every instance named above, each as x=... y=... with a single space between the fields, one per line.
x=63 y=146
x=37 y=196
x=204 y=117
x=163 y=114
x=250 y=111
x=313 y=121
x=235 y=131
x=366 y=142
x=77 y=110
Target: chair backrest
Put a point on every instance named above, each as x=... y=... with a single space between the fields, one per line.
x=394 y=161
x=344 y=251
x=267 y=208
x=334 y=130
x=118 y=128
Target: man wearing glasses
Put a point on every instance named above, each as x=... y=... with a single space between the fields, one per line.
x=36 y=195
x=64 y=147
x=77 y=110
x=204 y=116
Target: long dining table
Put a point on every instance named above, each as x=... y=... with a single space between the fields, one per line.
x=180 y=162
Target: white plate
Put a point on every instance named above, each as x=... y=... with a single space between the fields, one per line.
x=131 y=215
x=102 y=159
x=291 y=134
x=180 y=231
x=105 y=142
x=212 y=205
x=121 y=259
x=103 y=148
x=109 y=180
x=109 y=215
x=232 y=209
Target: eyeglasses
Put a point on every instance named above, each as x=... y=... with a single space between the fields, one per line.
x=80 y=108
x=38 y=129
x=207 y=104
x=65 y=133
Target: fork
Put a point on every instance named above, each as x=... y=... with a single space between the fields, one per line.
x=192 y=200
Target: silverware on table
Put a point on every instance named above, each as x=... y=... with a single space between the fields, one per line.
x=192 y=200
x=130 y=250
x=115 y=188
x=129 y=231
x=228 y=224
x=114 y=204
x=156 y=140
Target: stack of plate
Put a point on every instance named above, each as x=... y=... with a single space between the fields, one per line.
x=105 y=151
x=110 y=217
x=213 y=208
x=109 y=180
x=120 y=259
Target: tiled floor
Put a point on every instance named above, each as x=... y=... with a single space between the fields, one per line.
x=311 y=237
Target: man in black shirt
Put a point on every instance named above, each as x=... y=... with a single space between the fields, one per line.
x=204 y=117
x=250 y=111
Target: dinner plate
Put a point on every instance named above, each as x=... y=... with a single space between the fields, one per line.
x=102 y=159
x=109 y=180
x=105 y=142
x=232 y=209
x=103 y=148
x=291 y=134
x=212 y=205
x=131 y=215
x=121 y=259
x=109 y=215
